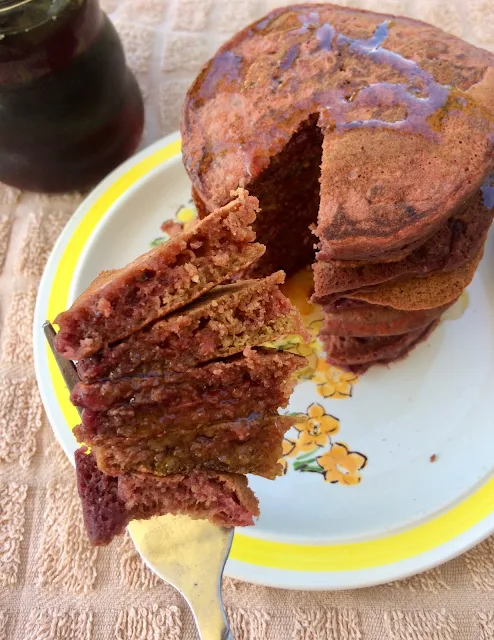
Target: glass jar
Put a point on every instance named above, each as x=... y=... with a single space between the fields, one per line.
x=70 y=109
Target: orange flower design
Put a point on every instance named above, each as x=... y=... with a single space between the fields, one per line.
x=316 y=431
x=340 y=465
x=289 y=449
x=337 y=464
x=314 y=327
x=186 y=215
x=295 y=344
x=309 y=351
x=332 y=382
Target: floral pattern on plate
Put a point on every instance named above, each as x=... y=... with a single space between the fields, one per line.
x=314 y=449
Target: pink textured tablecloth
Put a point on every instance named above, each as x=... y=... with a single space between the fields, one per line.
x=53 y=585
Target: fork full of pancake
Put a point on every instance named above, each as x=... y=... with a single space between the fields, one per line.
x=366 y=143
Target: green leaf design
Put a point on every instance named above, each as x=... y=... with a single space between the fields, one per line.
x=157 y=241
x=308 y=468
x=313 y=469
x=306 y=465
x=307 y=455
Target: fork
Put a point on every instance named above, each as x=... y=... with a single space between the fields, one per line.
x=188 y=554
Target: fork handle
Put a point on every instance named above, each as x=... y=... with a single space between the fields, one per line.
x=210 y=617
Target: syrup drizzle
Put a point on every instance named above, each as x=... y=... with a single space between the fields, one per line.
x=325 y=36
x=488 y=192
x=290 y=56
x=224 y=67
x=386 y=94
x=420 y=100
x=337 y=104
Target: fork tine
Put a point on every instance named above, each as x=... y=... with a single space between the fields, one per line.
x=67 y=368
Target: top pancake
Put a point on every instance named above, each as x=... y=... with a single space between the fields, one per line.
x=393 y=98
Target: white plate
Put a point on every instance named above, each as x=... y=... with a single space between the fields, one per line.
x=404 y=479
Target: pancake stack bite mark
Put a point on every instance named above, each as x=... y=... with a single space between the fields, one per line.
x=369 y=142
x=178 y=399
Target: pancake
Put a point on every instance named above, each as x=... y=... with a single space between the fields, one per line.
x=122 y=301
x=222 y=322
x=345 y=96
x=414 y=294
x=369 y=320
x=449 y=248
x=220 y=391
x=156 y=419
x=109 y=504
x=357 y=354
x=246 y=445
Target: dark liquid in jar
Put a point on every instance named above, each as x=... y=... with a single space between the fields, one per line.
x=70 y=109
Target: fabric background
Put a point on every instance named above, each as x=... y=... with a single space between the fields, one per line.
x=53 y=585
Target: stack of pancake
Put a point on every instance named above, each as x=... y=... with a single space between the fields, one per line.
x=375 y=133
x=375 y=312
x=178 y=401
